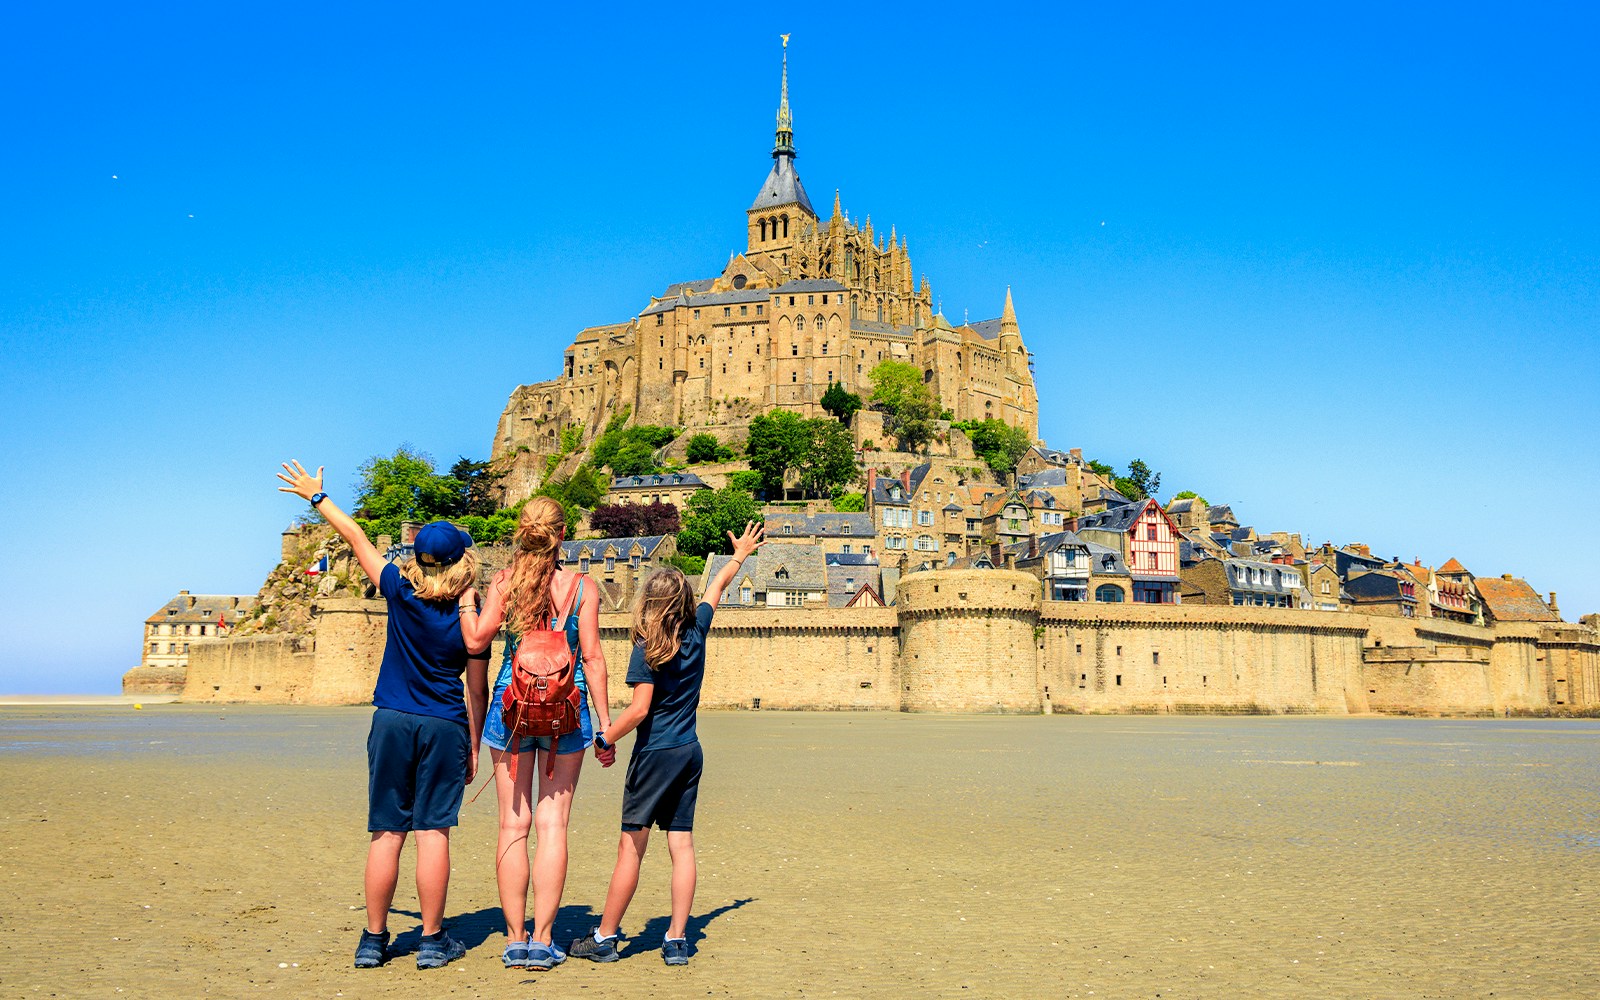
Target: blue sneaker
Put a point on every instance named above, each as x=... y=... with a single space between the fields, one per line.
x=544 y=956
x=439 y=950
x=372 y=950
x=516 y=954
x=675 y=951
x=604 y=950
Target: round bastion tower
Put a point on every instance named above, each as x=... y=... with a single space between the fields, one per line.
x=967 y=641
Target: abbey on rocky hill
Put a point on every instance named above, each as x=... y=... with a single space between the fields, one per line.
x=810 y=302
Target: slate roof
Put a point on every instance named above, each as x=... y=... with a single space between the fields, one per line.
x=873 y=326
x=1222 y=514
x=850 y=559
x=783 y=187
x=1513 y=600
x=1114 y=518
x=654 y=481
x=1268 y=577
x=1043 y=478
x=988 y=329
x=731 y=297
x=845 y=582
x=830 y=524
x=953 y=508
x=702 y=285
x=205 y=608
x=880 y=490
x=805 y=566
x=1104 y=561
x=665 y=305
x=572 y=551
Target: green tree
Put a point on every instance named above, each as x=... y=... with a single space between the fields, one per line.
x=402 y=487
x=745 y=480
x=479 y=488
x=629 y=448
x=1189 y=495
x=778 y=442
x=998 y=443
x=1139 y=483
x=1102 y=469
x=829 y=459
x=634 y=459
x=912 y=408
x=688 y=565
x=849 y=503
x=704 y=448
x=710 y=515
x=842 y=404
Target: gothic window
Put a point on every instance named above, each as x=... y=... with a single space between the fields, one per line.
x=739 y=281
x=785 y=219
x=880 y=312
x=763 y=229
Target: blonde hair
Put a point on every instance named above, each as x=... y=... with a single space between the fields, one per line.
x=538 y=540
x=441 y=583
x=666 y=605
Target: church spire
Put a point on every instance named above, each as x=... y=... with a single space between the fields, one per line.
x=785 y=139
x=1008 y=315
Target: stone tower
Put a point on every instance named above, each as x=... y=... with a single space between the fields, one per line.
x=781 y=209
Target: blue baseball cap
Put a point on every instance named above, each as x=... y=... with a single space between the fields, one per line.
x=440 y=543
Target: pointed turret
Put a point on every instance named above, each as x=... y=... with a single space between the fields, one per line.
x=1008 y=316
x=1011 y=338
x=837 y=213
x=781 y=209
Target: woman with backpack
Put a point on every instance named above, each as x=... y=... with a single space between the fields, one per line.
x=534 y=597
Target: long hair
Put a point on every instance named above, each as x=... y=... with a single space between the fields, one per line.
x=441 y=583
x=538 y=540
x=665 y=607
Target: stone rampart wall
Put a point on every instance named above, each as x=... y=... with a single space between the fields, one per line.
x=982 y=641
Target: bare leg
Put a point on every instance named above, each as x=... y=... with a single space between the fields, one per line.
x=511 y=849
x=433 y=877
x=680 y=845
x=624 y=879
x=550 y=815
x=383 y=873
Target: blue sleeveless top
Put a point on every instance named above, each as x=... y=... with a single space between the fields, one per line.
x=571 y=628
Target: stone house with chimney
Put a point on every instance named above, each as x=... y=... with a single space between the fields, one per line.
x=188 y=618
x=1146 y=539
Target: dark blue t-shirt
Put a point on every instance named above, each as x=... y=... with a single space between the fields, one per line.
x=423 y=654
x=670 y=721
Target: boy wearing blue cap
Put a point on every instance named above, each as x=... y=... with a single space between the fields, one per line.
x=422 y=749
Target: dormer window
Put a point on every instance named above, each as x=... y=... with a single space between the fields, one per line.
x=788 y=529
x=781 y=574
x=845 y=530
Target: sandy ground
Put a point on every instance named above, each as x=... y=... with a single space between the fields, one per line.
x=182 y=851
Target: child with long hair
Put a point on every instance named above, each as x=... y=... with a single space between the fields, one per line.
x=665 y=671
x=523 y=597
x=422 y=748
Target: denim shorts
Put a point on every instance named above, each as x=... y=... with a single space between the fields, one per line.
x=494 y=729
x=416 y=771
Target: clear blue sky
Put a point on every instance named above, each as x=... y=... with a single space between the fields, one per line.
x=1336 y=266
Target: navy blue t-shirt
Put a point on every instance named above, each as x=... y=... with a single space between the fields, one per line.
x=423 y=654
x=670 y=721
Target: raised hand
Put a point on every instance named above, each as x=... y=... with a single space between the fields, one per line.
x=747 y=543
x=301 y=483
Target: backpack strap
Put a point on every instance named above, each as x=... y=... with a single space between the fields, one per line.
x=559 y=620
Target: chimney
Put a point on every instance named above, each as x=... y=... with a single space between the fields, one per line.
x=1077 y=456
x=872 y=484
x=183 y=593
x=996 y=553
x=1507 y=576
x=1071 y=523
x=1555 y=608
x=191 y=602
x=1033 y=547
x=408 y=532
x=905 y=480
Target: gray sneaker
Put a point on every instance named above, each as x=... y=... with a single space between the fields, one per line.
x=675 y=951
x=439 y=951
x=372 y=950
x=545 y=956
x=604 y=950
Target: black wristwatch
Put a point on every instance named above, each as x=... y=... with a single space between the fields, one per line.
x=317 y=498
x=601 y=744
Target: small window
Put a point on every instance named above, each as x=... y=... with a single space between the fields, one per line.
x=811 y=300
x=697 y=314
x=727 y=310
x=661 y=319
x=759 y=311
x=744 y=310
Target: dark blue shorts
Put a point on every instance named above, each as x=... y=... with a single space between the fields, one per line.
x=662 y=787
x=416 y=771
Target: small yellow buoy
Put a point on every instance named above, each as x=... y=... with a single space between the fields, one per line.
x=138 y=706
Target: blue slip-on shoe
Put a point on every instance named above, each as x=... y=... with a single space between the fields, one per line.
x=544 y=956
x=439 y=951
x=373 y=950
x=516 y=954
x=604 y=950
x=675 y=951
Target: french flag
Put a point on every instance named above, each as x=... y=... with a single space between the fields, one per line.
x=318 y=568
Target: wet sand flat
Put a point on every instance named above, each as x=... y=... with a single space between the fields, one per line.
x=206 y=851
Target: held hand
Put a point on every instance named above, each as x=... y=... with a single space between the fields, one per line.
x=301 y=483
x=605 y=757
x=747 y=543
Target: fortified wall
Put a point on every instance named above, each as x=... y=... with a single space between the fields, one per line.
x=983 y=641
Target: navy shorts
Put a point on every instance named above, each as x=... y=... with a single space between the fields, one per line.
x=416 y=772
x=661 y=788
